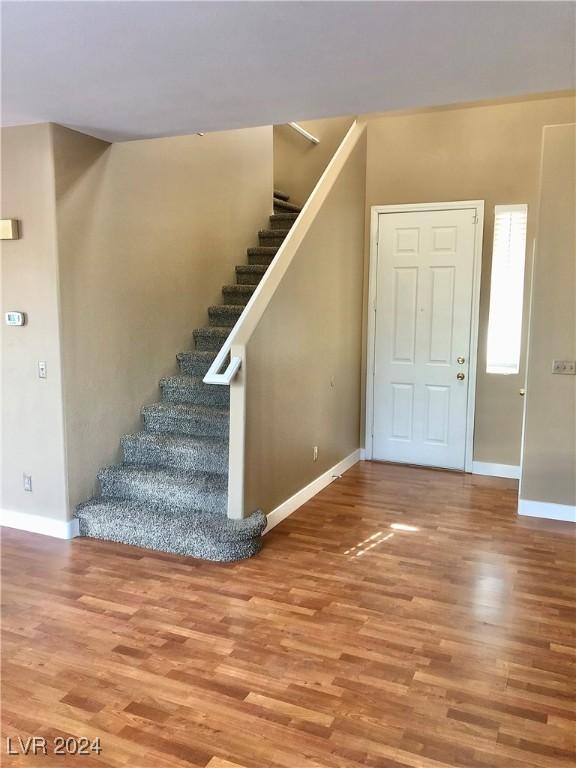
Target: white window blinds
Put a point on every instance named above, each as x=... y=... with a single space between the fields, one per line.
x=507 y=289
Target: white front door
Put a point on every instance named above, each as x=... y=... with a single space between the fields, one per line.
x=422 y=339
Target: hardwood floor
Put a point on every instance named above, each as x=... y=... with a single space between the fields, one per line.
x=402 y=618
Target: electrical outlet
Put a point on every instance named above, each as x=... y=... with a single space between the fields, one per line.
x=564 y=366
x=27 y=482
x=42 y=369
x=315 y=453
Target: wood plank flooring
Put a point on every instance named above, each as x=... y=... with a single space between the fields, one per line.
x=404 y=618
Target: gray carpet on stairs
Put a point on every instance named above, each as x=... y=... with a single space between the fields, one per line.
x=170 y=493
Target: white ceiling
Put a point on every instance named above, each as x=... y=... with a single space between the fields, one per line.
x=127 y=70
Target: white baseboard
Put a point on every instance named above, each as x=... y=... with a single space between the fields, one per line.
x=362 y=454
x=24 y=521
x=496 y=470
x=305 y=494
x=547 y=510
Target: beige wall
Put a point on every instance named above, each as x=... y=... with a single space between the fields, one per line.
x=298 y=164
x=31 y=414
x=148 y=233
x=488 y=152
x=308 y=339
x=549 y=456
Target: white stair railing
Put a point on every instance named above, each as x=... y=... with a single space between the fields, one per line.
x=234 y=348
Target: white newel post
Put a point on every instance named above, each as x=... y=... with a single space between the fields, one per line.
x=237 y=437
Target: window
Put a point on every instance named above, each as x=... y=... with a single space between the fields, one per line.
x=507 y=289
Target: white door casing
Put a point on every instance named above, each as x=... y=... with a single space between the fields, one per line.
x=424 y=288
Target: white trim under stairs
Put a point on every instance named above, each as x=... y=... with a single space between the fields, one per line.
x=305 y=494
x=47 y=526
x=547 y=510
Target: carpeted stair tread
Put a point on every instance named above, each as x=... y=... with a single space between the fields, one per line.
x=202 y=453
x=250 y=274
x=238 y=294
x=282 y=220
x=262 y=255
x=185 y=419
x=281 y=195
x=263 y=250
x=272 y=236
x=166 y=487
x=261 y=259
x=283 y=205
x=191 y=389
x=202 y=536
x=224 y=314
x=196 y=362
x=210 y=337
x=273 y=232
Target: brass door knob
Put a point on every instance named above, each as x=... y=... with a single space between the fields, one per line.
x=460 y=360
x=460 y=376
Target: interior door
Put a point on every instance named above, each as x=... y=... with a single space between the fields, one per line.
x=422 y=342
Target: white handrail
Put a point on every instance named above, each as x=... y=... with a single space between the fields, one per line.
x=235 y=345
x=212 y=377
x=303 y=132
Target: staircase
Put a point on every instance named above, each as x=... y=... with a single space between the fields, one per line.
x=170 y=492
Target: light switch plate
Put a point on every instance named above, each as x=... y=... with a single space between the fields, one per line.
x=567 y=367
x=9 y=229
x=42 y=370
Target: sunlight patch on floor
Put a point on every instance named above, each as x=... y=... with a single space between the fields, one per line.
x=364 y=546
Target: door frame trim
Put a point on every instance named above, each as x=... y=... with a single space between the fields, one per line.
x=376 y=210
